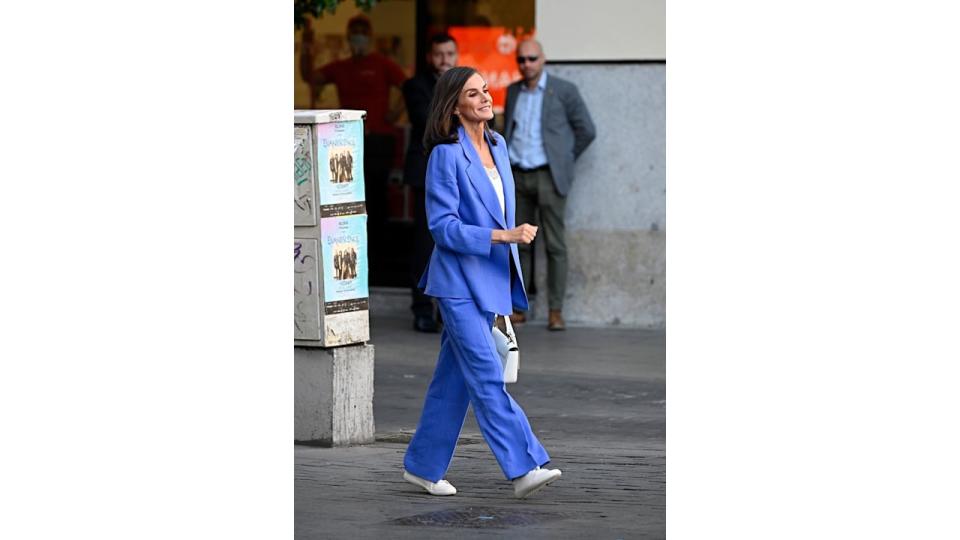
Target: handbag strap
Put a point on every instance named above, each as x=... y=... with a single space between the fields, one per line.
x=510 y=334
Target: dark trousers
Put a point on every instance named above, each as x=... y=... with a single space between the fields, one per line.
x=536 y=194
x=377 y=162
x=422 y=249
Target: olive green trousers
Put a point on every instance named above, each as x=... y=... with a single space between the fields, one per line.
x=538 y=203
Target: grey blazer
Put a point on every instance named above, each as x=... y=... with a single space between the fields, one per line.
x=566 y=124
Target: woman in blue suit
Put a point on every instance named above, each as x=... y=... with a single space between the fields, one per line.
x=474 y=273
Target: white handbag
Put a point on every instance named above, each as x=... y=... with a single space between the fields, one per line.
x=508 y=350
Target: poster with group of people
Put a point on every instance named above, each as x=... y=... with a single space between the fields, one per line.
x=341 y=165
x=344 y=245
x=340 y=155
x=345 y=261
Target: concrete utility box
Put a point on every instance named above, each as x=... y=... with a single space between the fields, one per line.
x=331 y=293
x=333 y=367
x=333 y=395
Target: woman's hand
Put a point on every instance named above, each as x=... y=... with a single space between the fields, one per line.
x=524 y=234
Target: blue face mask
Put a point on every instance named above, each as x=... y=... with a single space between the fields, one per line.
x=359 y=43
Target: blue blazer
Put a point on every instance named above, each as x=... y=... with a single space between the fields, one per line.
x=462 y=211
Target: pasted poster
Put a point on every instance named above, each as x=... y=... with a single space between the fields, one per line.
x=345 y=304
x=306 y=285
x=344 y=243
x=304 y=196
x=340 y=162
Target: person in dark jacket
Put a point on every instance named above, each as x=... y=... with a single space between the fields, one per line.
x=417 y=93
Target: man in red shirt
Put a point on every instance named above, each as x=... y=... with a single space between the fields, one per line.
x=363 y=82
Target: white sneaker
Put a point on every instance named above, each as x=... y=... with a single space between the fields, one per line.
x=534 y=481
x=434 y=488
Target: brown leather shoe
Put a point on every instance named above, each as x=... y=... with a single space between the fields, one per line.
x=556 y=321
x=518 y=317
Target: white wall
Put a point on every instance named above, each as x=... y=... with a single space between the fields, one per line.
x=602 y=29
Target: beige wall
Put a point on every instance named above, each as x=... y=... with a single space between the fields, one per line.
x=602 y=29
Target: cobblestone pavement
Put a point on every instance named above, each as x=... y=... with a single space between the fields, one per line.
x=595 y=398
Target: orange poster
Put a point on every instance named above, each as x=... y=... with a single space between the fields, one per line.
x=492 y=50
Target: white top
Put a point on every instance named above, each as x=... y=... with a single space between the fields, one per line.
x=497 y=182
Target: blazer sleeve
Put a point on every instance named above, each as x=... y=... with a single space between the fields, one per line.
x=583 y=129
x=443 y=208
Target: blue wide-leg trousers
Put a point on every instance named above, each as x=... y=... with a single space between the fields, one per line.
x=469 y=372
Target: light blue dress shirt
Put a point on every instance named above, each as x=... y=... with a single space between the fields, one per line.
x=526 y=145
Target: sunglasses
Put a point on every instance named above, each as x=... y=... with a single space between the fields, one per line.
x=531 y=59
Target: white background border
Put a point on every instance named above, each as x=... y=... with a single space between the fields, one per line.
x=813 y=290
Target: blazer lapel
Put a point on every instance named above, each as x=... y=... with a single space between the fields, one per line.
x=481 y=182
x=506 y=174
x=547 y=98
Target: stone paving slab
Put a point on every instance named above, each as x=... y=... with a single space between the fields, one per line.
x=602 y=423
x=359 y=493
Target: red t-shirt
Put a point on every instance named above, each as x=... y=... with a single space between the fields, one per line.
x=364 y=83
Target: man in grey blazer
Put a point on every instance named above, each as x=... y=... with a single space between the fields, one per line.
x=547 y=127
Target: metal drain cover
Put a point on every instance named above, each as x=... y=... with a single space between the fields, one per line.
x=477 y=517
